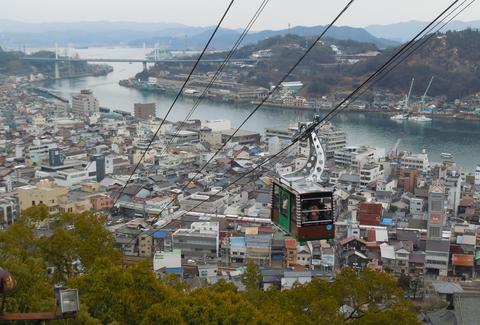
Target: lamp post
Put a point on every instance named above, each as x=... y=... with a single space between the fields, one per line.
x=68 y=303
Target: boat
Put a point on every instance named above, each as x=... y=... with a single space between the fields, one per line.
x=420 y=118
x=399 y=117
x=446 y=155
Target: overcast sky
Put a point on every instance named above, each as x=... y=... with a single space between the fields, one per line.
x=277 y=15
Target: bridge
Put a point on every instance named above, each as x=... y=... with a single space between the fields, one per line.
x=96 y=60
x=58 y=59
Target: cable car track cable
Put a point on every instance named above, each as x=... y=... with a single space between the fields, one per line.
x=266 y=97
x=231 y=53
x=312 y=127
x=175 y=100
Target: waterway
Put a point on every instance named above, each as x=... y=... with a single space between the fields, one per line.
x=459 y=137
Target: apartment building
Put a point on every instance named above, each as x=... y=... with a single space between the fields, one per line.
x=416 y=161
x=144 y=111
x=84 y=103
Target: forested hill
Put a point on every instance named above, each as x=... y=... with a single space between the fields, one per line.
x=12 y=65
x=10 y=62
x=453 y=58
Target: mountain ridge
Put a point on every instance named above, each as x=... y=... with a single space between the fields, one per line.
x=403 y=31
x=171 y=35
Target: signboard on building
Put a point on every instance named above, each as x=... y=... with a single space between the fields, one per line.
x=435 y=218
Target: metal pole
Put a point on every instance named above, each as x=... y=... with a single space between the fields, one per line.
x=4 y=297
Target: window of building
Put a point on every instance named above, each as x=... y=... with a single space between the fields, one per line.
x=436 y=205
x=434 y=232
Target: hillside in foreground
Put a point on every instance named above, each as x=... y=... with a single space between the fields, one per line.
x=112 y=294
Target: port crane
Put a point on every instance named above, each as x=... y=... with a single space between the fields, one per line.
x=301 y=206
x=393 y=152
x=407 y=97
x=422 y=100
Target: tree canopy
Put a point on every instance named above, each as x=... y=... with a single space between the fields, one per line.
x=80 y=249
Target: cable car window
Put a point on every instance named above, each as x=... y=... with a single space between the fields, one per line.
x=276 y=195
x=316 y=210
x=284 y=203
x=293 y=211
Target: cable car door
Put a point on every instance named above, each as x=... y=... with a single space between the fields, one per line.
x=285 y=209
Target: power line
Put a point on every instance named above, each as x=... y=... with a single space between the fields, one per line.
x=418 y=45
x=231 y=53
x=266 y=97
x=346 y=101
x=175 y=100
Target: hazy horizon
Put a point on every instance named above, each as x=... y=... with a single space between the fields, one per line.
x=278 y=14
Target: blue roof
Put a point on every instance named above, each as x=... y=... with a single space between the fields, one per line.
x=160 y=234
x=237 y=241
x=387 y=221
x=174 y=270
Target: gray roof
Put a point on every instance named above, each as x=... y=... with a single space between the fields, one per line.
x=442 y=317
x=350 y=178
x=466 y=308
x=297 y=274
x=417 y=224
x=464 y=311
x=444 y=287
x=438 y=245
x=408 y=235
x=416 y=257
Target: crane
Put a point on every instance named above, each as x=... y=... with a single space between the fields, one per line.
x=422 y=101
x=393 y=152
x=405 y=106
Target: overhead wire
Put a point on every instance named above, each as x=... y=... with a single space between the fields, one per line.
x=415 y=47
x=175 y=100
x=312 y=126
x=273 y=90
x=230 y=54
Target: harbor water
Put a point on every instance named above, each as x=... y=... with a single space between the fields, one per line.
x=458 y=137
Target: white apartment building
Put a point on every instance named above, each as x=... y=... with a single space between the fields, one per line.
x=76 y=175
x=38 y=151
x=370 y=174
x=212 y=203
x=332 y=139
x=477 y=175
x=357 y=157
x=85 y=103
x=416 y=206
x=217 y=125
x=416 y=161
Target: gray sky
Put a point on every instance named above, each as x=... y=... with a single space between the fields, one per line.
x=277 y=15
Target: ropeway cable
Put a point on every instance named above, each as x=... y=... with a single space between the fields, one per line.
x=174 y=101
x=343 y=103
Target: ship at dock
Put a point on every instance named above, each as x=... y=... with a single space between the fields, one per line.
x=148 y=86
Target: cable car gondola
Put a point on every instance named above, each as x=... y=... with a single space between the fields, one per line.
x=300 y=205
